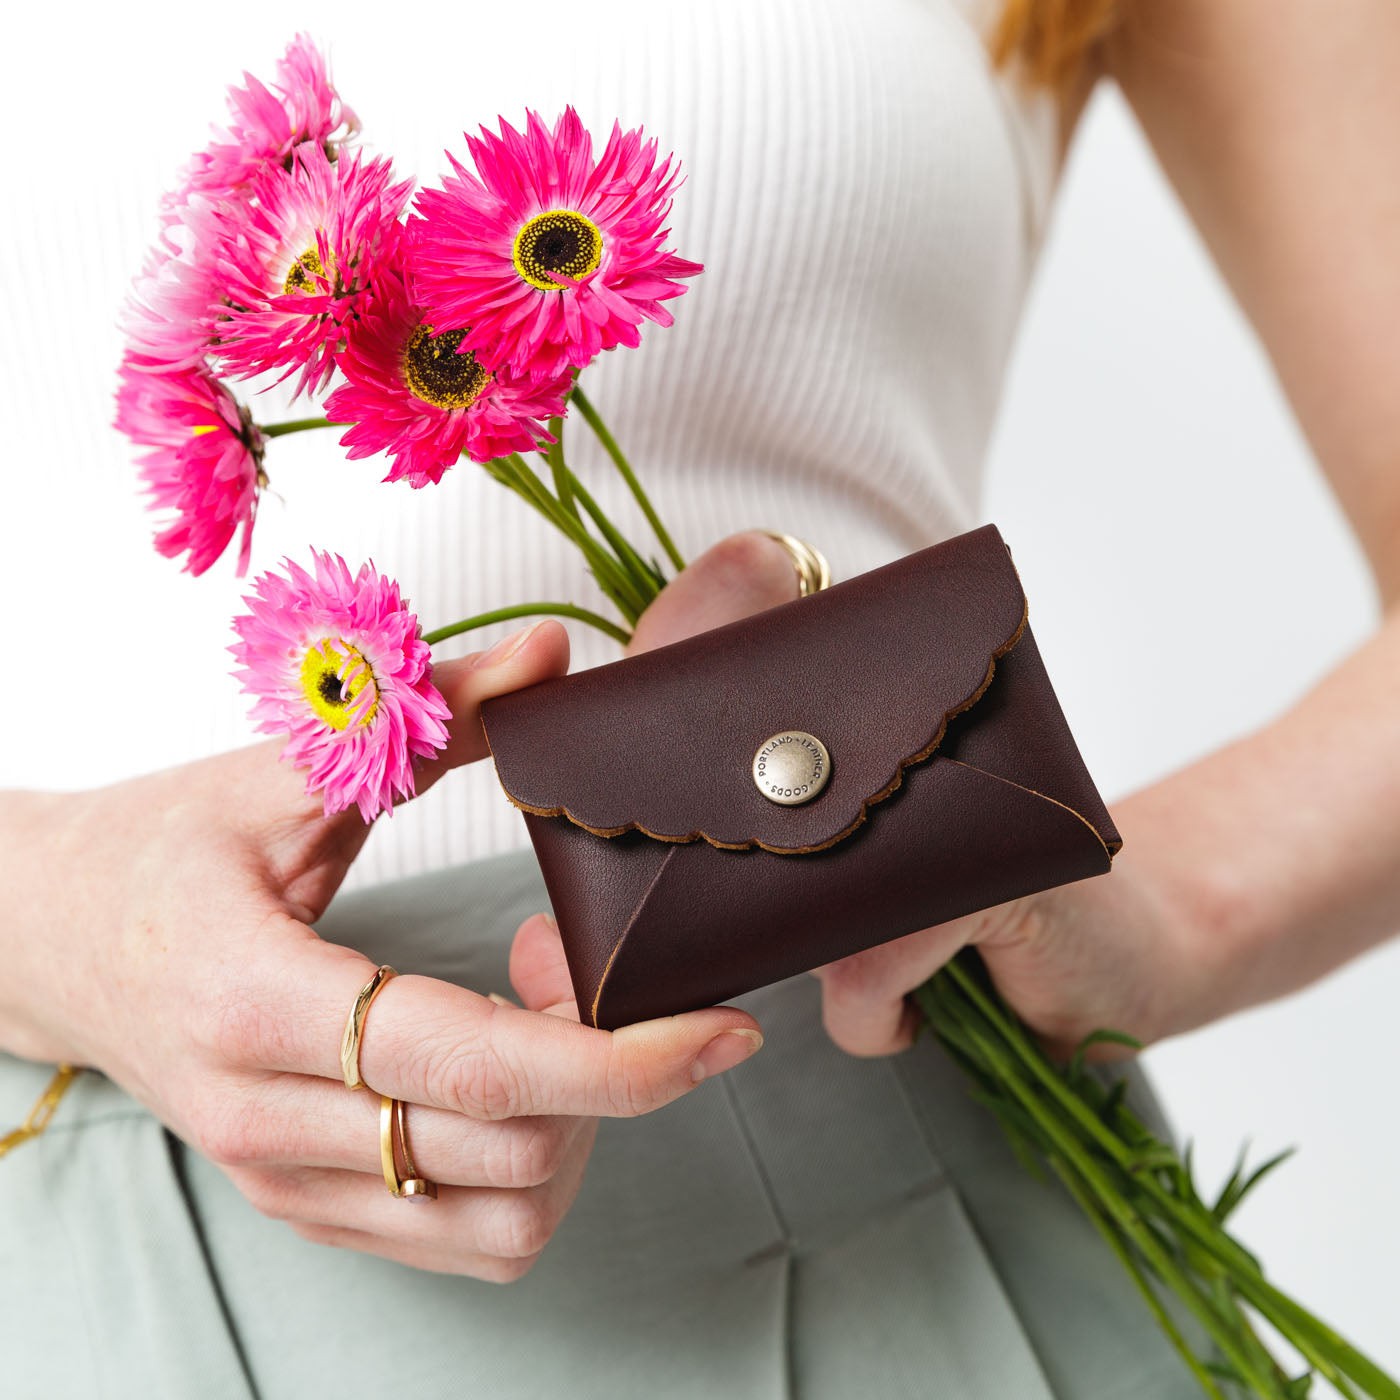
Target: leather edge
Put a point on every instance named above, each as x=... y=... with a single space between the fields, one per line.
x=1110 y=849
x=919 y=756
x=622 y=937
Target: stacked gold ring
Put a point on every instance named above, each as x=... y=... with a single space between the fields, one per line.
x=355 y=1027
x=393 y=1131
x=393 y=1140
x=813 y=572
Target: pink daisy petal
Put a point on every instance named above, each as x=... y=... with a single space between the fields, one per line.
x=337 y=663
x=298 y=264
x=267 y=123
x=203 y=462
x=411 y=394
x=169 y=315
x=549 y=255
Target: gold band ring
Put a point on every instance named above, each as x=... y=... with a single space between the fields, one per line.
x=355 y=1026
x=813 y=572
x=393 y=1142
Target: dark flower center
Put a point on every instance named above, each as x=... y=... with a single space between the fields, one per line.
x=334 y=677
x=331 y=689
x=303 y=273
x=558 y=241
x=436 y=373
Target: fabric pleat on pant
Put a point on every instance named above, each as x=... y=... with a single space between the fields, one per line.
x=810 y=1225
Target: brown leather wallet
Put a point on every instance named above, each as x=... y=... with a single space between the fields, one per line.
x=949 y=782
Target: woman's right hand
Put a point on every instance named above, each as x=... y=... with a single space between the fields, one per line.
x=159 y=930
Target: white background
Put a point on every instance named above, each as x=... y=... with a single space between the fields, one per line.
x=1190 y=574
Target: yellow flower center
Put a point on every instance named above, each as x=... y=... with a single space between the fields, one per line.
x=302 y=275
x=557 y=241
x=334 y=677
x=437 y=374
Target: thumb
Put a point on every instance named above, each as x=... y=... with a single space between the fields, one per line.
x=535 y=653
x=539 y=972
x=740 y=575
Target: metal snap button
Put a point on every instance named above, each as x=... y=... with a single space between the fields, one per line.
x=791 y=767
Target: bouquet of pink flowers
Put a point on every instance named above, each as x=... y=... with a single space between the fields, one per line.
x=454 y=324
x=459 y=332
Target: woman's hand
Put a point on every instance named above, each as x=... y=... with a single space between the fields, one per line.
x=158 y=930
x=1104 y=953
x=1099 y=953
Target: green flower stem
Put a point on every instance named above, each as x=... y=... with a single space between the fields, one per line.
x=1121 y=1212
x=297 y=425
x=1334 y=1357
x=512 y=471
x=988 y=1041
x=644 y=576
x=621 y=586
x=1216 y=1242
x=555 y=457
x=1308 y=1333
x=469 y=624
x=594 y=421
x=1182 y=1217
x=1104 y=1226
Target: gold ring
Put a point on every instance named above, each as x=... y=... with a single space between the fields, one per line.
x=393 y=1141
x=813 y=572
x=355 y=1025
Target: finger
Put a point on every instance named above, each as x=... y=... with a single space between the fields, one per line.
x=532 y=654
x=290 y=1122
x=539 y=971
x=462 y=1220
x=865 y=1008
x=431 y=1042
x=434 y=1257
x=294 y=1121
x=740 y=575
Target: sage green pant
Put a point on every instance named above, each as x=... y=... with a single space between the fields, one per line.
x=807 y=1225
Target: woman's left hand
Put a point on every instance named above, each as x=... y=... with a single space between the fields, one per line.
x=1109 y=952
x=1103 y=953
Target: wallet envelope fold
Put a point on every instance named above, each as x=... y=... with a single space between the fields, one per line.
x=955 y=784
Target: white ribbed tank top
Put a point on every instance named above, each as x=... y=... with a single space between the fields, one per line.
x=867 y=196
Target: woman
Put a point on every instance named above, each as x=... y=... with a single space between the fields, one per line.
x=830 y=1216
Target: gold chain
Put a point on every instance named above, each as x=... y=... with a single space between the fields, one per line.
x=42 y=1111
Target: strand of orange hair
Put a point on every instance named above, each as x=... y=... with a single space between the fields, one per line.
x=1051 y=37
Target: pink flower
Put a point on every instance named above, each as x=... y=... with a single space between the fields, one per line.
x=338 y=663
x=168 y=318
x=411 y=395
x=548 y=255
x=296 y=265
x=267 y=124
x=203 y=463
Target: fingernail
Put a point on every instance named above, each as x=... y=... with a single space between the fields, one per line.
x=506 y=647
x=724 y=1052
x=500 y=1000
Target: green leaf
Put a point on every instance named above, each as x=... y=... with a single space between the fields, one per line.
x=1300 y=1387
x=1232 y=1185
x=1222 y=1371
x=1238 y=1186
x=1155 y=1155
x=1108 y=1111
x=1186 y=1177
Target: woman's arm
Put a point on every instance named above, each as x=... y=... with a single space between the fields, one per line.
x=1278 y=122
x=1273 y=860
